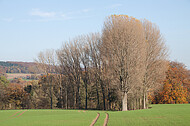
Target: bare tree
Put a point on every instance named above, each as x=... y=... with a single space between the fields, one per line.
x=64 y=63
x=155 y=61
x=123 y=46
x=47 y=61
x=95 y=42
x=69 y=58
x=85 y=62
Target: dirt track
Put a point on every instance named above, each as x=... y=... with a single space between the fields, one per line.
x=21 y=113
x=14 y=116
x=106 y=119
x=15 y=113
x=95 y=120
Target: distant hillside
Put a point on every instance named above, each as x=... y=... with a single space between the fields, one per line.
x=18 y=67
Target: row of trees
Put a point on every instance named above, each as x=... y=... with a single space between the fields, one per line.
x=112 y=70
x=19 y=94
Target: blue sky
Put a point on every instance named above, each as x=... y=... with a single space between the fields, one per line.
x=28 y=27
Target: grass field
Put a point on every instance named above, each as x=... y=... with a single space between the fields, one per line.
x=158 y=115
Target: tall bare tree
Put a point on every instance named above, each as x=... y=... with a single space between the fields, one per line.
x=65 y=67
x=123 y=46
x=155 y=61
x=46 y=61
x=95 y=42
x=69 y=57
x=85 y=62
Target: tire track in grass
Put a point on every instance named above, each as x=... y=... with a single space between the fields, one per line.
x=19 y=114
x=95 y=120
x=22 y=113
x=106 y=120
x=15 y=114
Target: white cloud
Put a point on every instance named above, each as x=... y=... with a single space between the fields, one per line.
x=56 y=16
x=38 y=12
x=7 y=19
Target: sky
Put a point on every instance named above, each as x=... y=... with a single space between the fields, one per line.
x=28 y=27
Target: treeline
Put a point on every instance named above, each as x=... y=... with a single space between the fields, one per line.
x=112 y=70
x=18 y=67
x=19 y=94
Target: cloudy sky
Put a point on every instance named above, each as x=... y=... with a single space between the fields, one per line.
x=28 y=27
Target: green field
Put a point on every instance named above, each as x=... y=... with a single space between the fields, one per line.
x=158 y=115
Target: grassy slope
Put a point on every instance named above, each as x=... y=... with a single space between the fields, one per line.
x=159 y=115
x=164 y=115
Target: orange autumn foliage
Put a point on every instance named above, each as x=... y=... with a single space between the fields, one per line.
x=173 y=90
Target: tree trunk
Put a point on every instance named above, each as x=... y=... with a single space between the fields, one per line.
x=61 y=91
x=86 y=102
x=78 y=93
x=76 y=100
x=109 y=104
x=86 y=87
x=103 y=93
x=144 y=100
x=50 y=86
x=104 y=101
x=51 y=96
x=97 y=93
x=137 y=103
x=124 y=102
x=74 y=97
x=61 y=97
x=66 y=95
x=140 y=102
